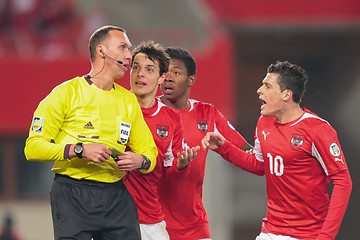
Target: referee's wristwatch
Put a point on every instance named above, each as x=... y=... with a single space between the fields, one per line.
x=146 y=163
x=78 y=150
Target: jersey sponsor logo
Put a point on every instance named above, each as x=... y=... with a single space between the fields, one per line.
x=37 y=124
x=124 y=132
x=265 y=134
x=297 y=140
x=162 y=131
x=202 y=126
x=89 y=126
x=334 y=150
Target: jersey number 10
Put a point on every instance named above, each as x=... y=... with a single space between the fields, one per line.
x=276 y=164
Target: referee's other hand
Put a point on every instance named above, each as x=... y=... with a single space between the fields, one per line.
x=96 y=152
x=130 y=161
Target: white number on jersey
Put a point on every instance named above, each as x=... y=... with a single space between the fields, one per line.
x=276 y=164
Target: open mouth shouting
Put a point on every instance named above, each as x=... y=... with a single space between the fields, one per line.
x=263 y=103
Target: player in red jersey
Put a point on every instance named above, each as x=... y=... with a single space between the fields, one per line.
x=148 y=70
x=181 y=200
x=299 y=153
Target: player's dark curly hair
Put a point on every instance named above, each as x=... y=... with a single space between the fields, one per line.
x=291 y=77
x=185 y=56
x=99 y=36
x=154 y=52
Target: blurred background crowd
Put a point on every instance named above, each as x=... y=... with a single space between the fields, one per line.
x=42 y=27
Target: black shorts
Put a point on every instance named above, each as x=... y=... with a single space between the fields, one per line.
x=83 y=209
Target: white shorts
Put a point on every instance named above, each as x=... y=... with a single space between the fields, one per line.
x=270 y=236
x=155 y=231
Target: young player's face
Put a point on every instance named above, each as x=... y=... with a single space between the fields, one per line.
x=145 y=76
x=176 y=83
x=118 y=47
x=271 y=96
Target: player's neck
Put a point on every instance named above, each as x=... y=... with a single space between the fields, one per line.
x=146 y=101
x=289 y=114
x=178 y=104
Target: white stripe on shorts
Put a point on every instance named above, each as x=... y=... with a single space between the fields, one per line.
x=270 y=236
x=155 y=231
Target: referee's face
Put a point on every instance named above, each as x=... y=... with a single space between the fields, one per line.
x=117 y=48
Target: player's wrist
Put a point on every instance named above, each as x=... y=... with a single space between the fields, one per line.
x=181 y=166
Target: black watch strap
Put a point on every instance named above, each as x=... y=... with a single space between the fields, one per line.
x=78 y=150
x=146 y=163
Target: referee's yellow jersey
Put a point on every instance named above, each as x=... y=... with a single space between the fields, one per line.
x=78 y=111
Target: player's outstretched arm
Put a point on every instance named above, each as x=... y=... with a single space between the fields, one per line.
x=212 y=141
x=244 y=160
x=186 y=157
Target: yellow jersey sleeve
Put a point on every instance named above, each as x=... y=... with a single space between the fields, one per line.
x=46 y=124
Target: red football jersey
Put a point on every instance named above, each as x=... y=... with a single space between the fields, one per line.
x=298 y=159
x=181 y=198
x=165 y=127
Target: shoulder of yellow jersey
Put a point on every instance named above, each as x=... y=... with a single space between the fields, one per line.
x=124 y=91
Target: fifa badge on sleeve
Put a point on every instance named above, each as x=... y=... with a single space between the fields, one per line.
x=124 y=132
x=335 y=150
x=37 y=124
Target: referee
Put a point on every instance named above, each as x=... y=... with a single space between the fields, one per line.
x=77 y=125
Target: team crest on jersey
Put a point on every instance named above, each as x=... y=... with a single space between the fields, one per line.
x=334 y=150
x=124 y=132
x=162 y=131
x=37 y=124
x=202 y=126
x=297 y=141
